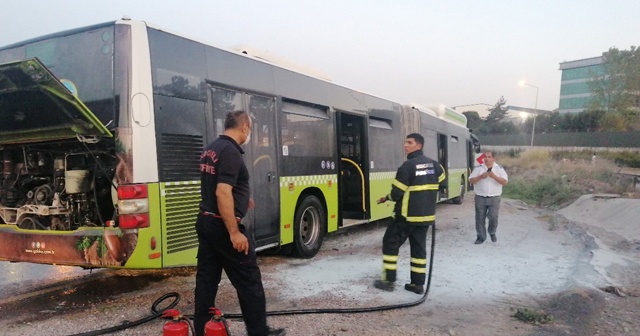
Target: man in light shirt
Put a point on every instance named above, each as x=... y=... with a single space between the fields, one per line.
x=488 y=179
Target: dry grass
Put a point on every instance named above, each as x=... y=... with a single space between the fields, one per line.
x=536 y=178
x=530 y=159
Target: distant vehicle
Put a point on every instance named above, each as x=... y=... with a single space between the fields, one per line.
x=102 y=127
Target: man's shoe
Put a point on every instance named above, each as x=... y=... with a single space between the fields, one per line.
x=384 y=285
x=418 y=289
x=493 y=238
x=479 y=241
x=276 y=332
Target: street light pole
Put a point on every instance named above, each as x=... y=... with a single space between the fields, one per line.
x=533 y=129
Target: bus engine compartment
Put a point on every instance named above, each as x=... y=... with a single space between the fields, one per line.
x=56 y=186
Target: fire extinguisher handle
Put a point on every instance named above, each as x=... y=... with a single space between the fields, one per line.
x=215 y=312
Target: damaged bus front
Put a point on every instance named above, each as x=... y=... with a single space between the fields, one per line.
x=59 y=159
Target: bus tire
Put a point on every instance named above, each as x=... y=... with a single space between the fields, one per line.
x=310 y=227
x=458 y=200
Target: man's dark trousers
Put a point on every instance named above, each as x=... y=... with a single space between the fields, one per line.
x=486 y=207
x=216 y=253
x=395 y=235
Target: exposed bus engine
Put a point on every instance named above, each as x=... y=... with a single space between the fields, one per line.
x=56 y=186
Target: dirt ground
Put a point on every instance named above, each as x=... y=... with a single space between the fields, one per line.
x=555 y=263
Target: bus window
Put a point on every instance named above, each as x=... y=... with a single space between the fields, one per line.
x=381 y=139
x=176 y=84
x=82 y=61
x=178 y=65
x=224 y=101
x=302 y=126
x=262 y=109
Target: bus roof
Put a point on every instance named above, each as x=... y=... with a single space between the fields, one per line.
x=437 y=110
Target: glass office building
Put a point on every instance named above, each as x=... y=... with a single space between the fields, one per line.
x=574 y=88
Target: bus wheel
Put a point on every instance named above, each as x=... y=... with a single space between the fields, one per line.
x=309 y=227
x=460 y=199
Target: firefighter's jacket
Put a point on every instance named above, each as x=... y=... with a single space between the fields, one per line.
x=415 y=189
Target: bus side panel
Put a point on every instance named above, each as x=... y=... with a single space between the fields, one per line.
x=380 y=184
x=454 y=178
x=87 y=247
x=179 y=206
x=458 y=161
x=291 y=187
x=143 y=256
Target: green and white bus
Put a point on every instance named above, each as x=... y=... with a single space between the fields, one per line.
x=101 y=129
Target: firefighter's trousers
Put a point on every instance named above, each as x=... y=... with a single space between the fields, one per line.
x=395 y=235
x=216 y=253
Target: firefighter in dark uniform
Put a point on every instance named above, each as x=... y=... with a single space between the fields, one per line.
x=223 y=242
x=415 y=191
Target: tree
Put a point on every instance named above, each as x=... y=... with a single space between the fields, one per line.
x=502 y=127
x=494 y=124
x=616 y=90
x=473 y=119
x=497 y=112
x=591 y=120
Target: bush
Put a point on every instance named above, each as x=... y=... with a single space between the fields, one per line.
x=627 y=159
x=528 y=159
x=584 y=154
x=552 y=191
x=514 y=152
x=539 y=180
x=533 y=316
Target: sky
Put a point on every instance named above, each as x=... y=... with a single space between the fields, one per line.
x=410 y=51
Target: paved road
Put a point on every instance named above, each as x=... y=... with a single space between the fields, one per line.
x=474 y=286
x=23 y=277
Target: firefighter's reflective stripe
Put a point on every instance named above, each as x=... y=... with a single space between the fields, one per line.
x=421 y=270
x=390 y=258
x=418 y=261
x=389 y=262
x=415 y=189
x=405 y=212
x=420 y=218
x=390 y=267
x=407 y=196
x=419 y=265
x=399 y=184
x=424 y=187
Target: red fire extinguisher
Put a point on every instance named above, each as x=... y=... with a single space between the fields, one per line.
x=178 y=326
x=217 y=326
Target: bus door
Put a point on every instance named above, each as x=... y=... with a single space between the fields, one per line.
x=443 y=159
x=260 y=158
x=354 y=170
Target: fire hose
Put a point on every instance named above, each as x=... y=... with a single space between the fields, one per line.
x=156 y=312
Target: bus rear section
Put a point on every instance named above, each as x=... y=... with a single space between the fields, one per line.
x=55 y=187
x=65 y=150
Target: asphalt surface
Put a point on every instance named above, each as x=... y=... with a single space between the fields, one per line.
x=474 y=287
